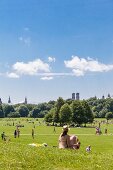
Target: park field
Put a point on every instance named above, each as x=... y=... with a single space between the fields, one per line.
x=17 y=154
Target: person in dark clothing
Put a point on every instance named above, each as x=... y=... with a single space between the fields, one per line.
x=15 y=134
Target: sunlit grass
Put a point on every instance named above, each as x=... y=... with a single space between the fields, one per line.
x=17 y=154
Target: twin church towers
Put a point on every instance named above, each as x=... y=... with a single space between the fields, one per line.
x=77 y=97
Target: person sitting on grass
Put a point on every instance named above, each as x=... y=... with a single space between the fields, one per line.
x=67 y=141
x=74 y=142
x=64 y=138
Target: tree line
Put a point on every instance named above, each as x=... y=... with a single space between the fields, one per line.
x=101 y=108
x=70 y=112
x=62 y=111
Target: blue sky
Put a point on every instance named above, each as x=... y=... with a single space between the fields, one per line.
x=52 y=48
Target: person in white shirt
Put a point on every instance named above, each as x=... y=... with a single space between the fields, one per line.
x=88 y=149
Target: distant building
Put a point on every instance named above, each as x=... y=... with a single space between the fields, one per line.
x=0 y=101
x=25 y=102
x=73 y=96
x=103 y=97
x=77 y=96
x=9 y=100
x=109 y=95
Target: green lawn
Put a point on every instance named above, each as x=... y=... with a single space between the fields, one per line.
x=17 y=154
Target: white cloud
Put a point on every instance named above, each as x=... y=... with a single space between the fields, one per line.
x=31 y=68
x=78 y=72
x=55 y=74
x=12 y=75
x=46 y=78
x=51 y=59
x=80 y=66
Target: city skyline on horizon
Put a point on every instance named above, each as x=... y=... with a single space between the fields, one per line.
x=26 y=100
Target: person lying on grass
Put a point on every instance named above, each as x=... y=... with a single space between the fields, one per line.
x=67 y=141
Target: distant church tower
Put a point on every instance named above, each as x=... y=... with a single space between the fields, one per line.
x=77 y=96
x=9 y=100
x=25 y=102
x=0 y=101
x=103 y=97
x=73 y=96
x=109 y=95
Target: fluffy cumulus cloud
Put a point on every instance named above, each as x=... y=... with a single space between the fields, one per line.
x=51 y=59
x=30 y=68
x=80 y=66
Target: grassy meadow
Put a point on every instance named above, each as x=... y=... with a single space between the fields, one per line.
x=17 y=154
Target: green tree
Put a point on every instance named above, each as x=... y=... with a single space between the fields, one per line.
x=109 y=115
x=77 y=112
x=23 y=110
x=65 y=114
x=87 y=114
x=110 y=102
x=55 y=116
x=96 y=114
x=35 y=112
x=51 y=102
x=69 y=101
x=7 y=109
x=59 y=103
x=103 y=112
x=1 y=112
x=42 y=113
x=13 y=114
x=30 y=106
x=48 y=118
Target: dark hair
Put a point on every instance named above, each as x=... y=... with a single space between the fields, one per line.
x=64 y=133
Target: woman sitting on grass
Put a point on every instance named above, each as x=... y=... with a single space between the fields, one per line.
x=67 y=141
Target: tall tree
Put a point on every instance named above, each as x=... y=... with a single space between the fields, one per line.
x=59 y=103
x=65 y=114
x=49 y=116
x=35 y=112
x=109 y=115
x=23 y=111
x=87 y=114
x=55 y=116
x=8 y=109
x=77 y=112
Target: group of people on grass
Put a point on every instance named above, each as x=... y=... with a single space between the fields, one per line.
x=64 y=141
x=99 y=132
x=4 y=137
x=17 y=133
